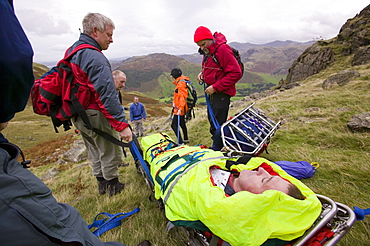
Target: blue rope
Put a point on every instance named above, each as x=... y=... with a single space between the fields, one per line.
x=142 y=162
x=360 y=213
x=111 y=221
x=210 y=113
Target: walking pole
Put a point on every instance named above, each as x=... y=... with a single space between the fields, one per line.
x=178 y=129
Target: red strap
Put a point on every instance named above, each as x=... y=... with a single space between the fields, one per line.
x=79 y=47
x=321 y=238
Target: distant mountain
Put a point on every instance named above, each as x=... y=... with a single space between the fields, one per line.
x=265 y=65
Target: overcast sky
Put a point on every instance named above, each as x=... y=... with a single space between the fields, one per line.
x=155 y=26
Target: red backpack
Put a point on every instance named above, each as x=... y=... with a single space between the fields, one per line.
x=58 y=95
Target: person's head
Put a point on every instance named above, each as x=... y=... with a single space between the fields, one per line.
x=136 y=99
x=100 y=28
x=258 y=181
x=176 y=72
x=119 y=78
x=203 y=38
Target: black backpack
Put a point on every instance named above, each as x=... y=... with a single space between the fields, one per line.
x=191 y=100
x=236 y=55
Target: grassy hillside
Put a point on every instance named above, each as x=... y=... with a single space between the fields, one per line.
x=313 y=129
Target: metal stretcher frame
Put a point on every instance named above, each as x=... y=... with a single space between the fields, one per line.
x=247 y=132
x=335 y=216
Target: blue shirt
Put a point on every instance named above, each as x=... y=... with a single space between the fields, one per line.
x=137 y=111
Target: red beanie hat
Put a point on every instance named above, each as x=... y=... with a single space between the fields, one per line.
x=202 y=33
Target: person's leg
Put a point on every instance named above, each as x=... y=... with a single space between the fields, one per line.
x=110 y=154
x=136 y=128
x=217 y=140
x=220 y=103
x=184 y=128
x=175 y=128
x=91 y=148
x=140 y=128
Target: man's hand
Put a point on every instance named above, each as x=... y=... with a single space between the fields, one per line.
x=126 y=134
x=210 y=90
x=200 y=77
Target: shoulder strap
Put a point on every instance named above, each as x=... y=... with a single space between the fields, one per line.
x=79 y=108
x=111 y=221
x=78 y=48
x=213 y=55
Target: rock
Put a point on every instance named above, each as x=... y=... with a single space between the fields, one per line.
x=360 y=122
x=50 y=174
x=75 y=154
x=361 y=57
x=313 y=109
x=341 y=78
x=313 y=60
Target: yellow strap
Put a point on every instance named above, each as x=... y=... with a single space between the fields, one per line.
x=315 y=164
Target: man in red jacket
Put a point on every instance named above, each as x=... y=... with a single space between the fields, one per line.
x=220 y=71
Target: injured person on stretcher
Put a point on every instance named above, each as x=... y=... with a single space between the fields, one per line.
x=244 y=201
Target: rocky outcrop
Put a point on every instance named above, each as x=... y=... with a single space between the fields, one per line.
x=341 y=78
x=76 y=154
x=360 y=122
x=313 y=60
x=362 y=56
x=353 y=39
x=355 y=33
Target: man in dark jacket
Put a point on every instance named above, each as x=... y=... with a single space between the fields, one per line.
x=220 y=72
x=104 y=111
x=29 y=214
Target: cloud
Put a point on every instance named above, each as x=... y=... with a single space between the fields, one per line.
x=41 y=23
x=147 y=26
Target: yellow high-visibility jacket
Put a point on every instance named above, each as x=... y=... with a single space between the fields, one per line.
x=182 y=179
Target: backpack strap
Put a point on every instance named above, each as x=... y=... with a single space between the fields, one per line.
x=79 y=108
x=111 y=221
x=78 y=48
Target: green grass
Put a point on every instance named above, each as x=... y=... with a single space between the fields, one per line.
x=313 y=129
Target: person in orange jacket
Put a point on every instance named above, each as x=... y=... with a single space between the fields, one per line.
x=179 y=104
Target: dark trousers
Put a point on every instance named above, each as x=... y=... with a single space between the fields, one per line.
x=174 y=126
x=220 y=103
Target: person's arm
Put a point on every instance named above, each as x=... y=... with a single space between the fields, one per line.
x=16 y=74
x=182 y=94
x=143 y=112
x=131 y=112
x=99 y=74
x=230 y=68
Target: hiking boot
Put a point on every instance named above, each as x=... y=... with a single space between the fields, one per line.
x=144 y=243
x=102 y=187
x=113 y=189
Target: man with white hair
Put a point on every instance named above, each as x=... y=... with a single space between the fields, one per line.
x=104 y=110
